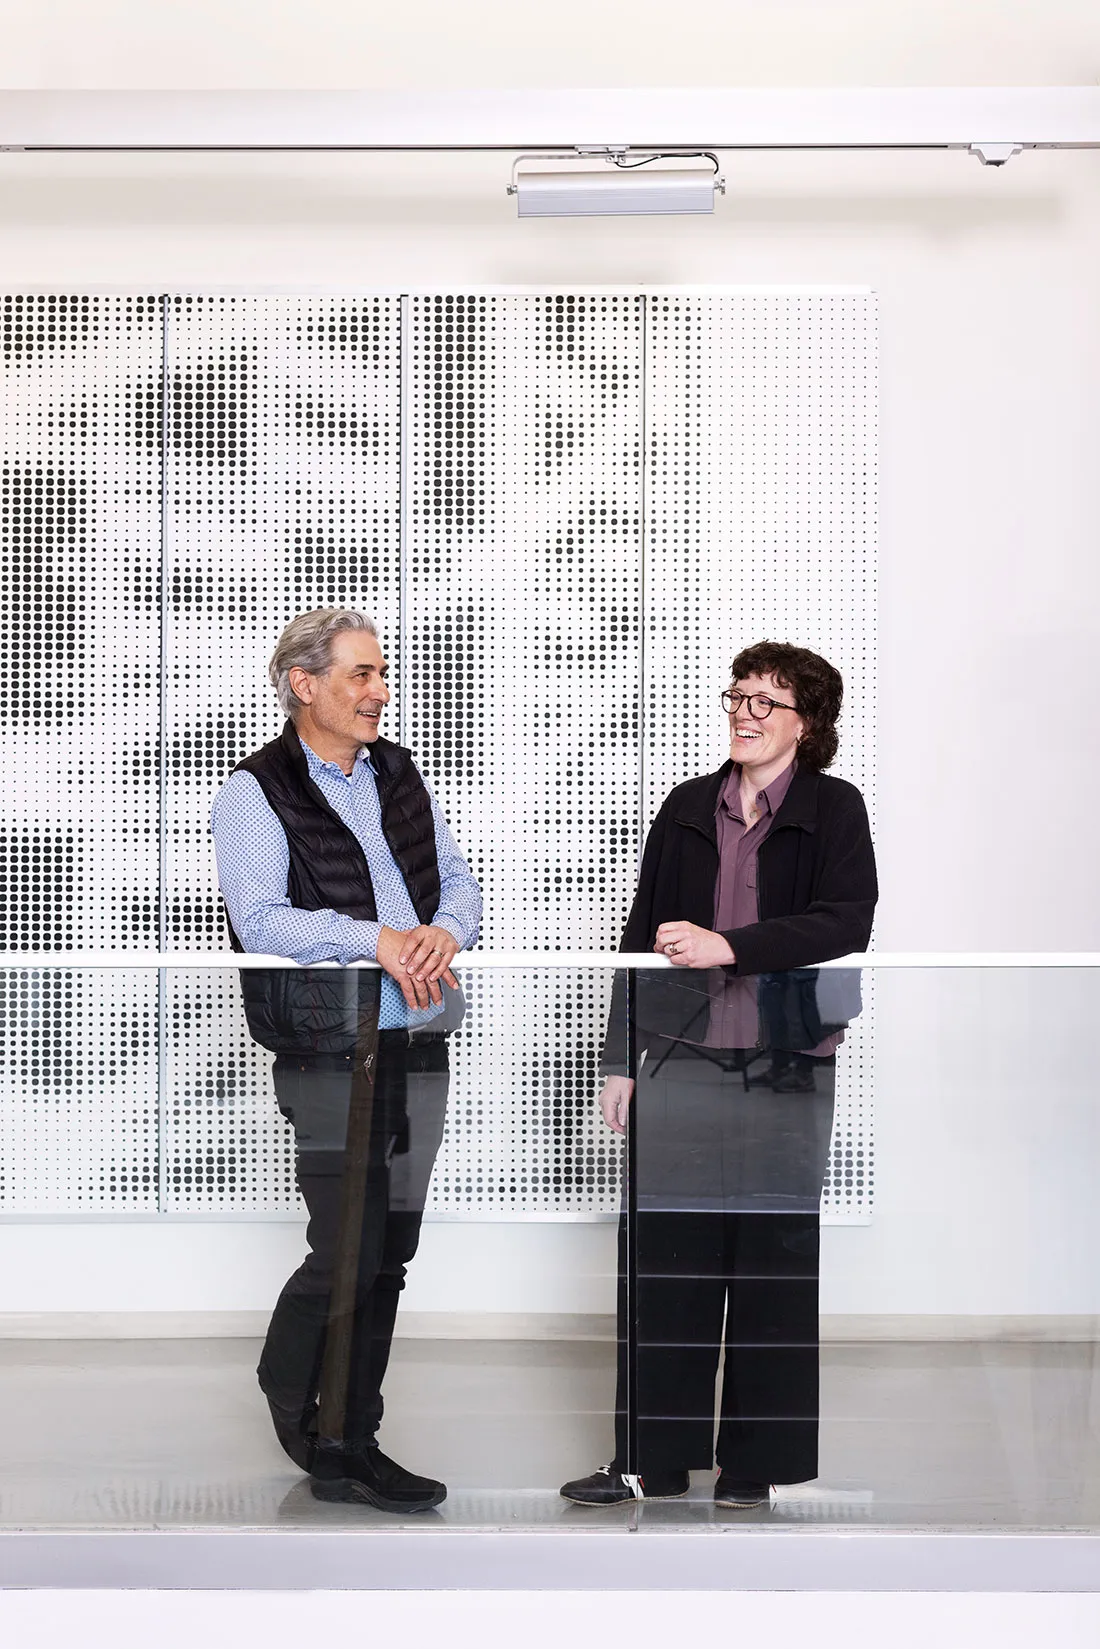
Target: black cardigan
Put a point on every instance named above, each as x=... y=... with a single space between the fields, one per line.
x=816 y=891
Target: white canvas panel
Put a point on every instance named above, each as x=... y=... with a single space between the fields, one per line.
x=761 y=420
x=282 y=494
x=523 y=657
x=80 y=447
x=566 y=512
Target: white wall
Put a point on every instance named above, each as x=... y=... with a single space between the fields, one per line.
x=990 y=496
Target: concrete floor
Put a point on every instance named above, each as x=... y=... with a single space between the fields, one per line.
x=173 y=1435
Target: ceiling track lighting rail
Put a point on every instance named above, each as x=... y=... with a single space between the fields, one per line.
x=992 y=122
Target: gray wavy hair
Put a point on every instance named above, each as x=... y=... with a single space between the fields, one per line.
x=306 y=644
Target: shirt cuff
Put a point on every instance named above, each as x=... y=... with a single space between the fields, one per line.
x=450 y=925
x=366 y=935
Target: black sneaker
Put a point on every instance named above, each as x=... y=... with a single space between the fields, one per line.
x=795 y=1081
x=740 y=1491
x=370 y=1478
x=611 y=1487
x=768 y=1074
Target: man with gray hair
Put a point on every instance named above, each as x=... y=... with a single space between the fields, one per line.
x=330 y=849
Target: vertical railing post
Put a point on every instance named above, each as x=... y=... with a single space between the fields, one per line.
x=630 y=1281
x=340 y=1337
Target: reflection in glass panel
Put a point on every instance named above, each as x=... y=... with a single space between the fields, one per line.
x=958 y=1351
x=730 y=1120
x=958 y=1354
x=251 y=1366
x=78 y=1089
x=368 y=1105
x=733 y=1116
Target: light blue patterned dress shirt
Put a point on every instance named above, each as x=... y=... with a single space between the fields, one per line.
x=254 y=859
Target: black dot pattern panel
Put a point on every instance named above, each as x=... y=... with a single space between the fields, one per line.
x=78 y=1080
x=521 y=1139
x=225 y=1147
x=521 y=697
x=80 y=467
x=283 y=489
x=79 y=621
x=283 y=441
x=761 y=523
x=603 y=497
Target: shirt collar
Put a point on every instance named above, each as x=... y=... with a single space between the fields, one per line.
x=770 y=798
x=316 y=765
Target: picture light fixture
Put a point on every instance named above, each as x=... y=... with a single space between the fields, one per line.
x=615 y=181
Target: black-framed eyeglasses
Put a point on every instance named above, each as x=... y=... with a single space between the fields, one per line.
x=760 y=705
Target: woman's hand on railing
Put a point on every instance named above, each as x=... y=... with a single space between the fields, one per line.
x=688 y=946
x=615 y=1097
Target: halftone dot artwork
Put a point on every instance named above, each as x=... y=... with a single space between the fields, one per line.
x=761 y=490
x=80 y=513
x=604 y=496
x=523 y=574
x=282 y=488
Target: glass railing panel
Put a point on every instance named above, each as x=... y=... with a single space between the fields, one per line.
x=926 y=1357
x=197 y=1354
x=968 y=1303
x=940 y=1361
x=505 y=1342
x=733 y=1118
x=78 y=1089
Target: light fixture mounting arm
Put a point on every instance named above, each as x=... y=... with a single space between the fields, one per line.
x=623 y=156
x=995 y=154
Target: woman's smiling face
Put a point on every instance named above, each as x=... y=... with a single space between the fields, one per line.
x=771 y=743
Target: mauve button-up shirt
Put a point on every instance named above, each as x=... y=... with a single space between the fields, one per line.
x=734 y=1019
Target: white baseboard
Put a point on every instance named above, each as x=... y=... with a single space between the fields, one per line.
x=472 y=1325
x=247 y=1325
x=133 y=1325
x=1054 y=1328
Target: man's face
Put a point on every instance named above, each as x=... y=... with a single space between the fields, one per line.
x=348 y=700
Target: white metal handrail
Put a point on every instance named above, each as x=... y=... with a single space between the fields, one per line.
x=618 y=961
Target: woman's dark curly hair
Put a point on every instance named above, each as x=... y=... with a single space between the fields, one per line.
x=816 y=687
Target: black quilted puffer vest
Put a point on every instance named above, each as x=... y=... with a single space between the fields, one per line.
x=317 y=1010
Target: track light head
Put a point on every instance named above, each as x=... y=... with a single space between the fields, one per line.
x=624 y=186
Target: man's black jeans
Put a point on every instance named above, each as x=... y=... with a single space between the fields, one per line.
x=410 y=1104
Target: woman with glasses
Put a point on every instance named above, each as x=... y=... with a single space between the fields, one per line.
x=751 y=876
